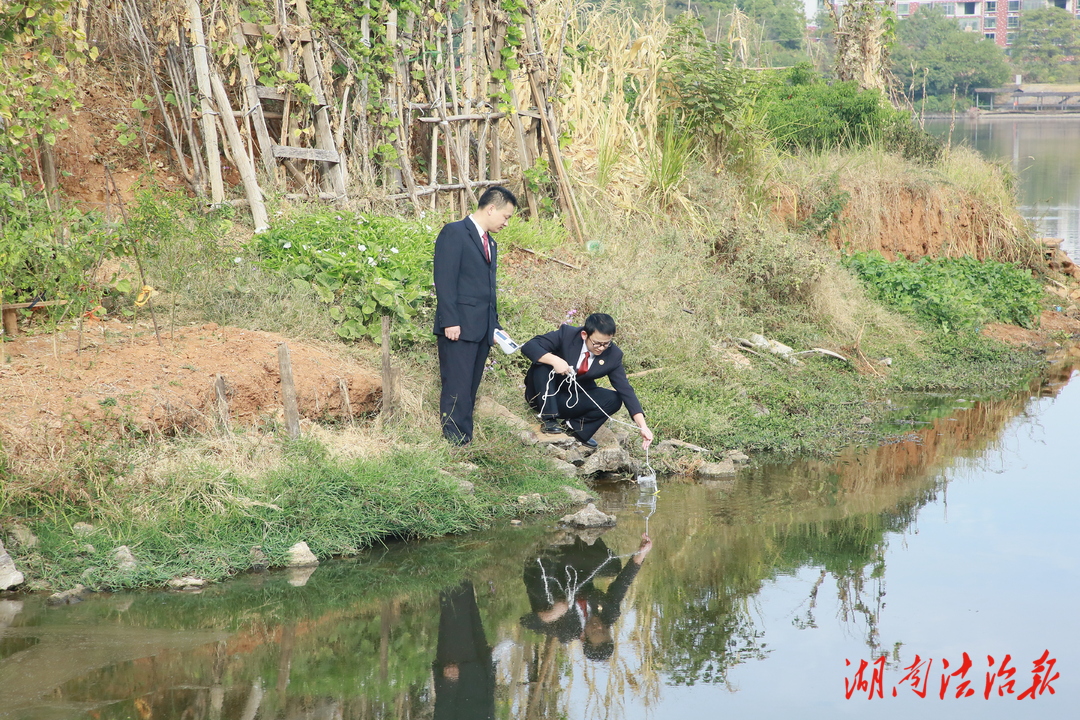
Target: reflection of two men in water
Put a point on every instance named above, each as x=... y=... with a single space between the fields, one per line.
x=566 y=604
x=565 y=601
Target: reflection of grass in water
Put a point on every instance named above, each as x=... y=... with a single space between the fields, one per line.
x=833 y=515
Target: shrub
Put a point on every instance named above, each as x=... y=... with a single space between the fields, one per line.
x=802 y=111
x=363 y=266
x=952 y=293
x=50 y=254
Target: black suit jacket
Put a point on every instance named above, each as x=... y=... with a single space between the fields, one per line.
x=465 y=283
x=566 y=342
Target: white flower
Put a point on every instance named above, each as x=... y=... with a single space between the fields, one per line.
x=361 y=248
x=371 y=261
x=341 y=254
x=394 y=250
x=238 y=260
x=287 y=245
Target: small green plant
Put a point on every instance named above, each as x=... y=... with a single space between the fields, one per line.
x=710 y=91
x=668 y=171
x=952 y=293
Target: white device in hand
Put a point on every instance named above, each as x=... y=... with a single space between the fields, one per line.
x=505 y=342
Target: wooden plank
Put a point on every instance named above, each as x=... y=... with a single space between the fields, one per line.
x=284 y=151
x=290 y=32
x=43 y=303
x=269 y=93
x=455 y=118
x=288 y=392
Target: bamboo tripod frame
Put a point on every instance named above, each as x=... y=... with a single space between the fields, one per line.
x=439 y=135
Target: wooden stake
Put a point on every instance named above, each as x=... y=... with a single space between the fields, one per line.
x=202 y=76
x=346 y=403
x=222 y=405
x=288 y=392
x=387 y=371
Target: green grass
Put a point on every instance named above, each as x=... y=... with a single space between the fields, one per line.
x=204 y=520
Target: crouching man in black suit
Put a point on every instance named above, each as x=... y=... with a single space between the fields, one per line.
x=587 y=353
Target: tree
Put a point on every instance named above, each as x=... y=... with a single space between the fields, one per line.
x=933 y=56
x=863 y=32
x=1047 y=49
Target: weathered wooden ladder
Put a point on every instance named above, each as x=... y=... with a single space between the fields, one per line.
x=325 y=151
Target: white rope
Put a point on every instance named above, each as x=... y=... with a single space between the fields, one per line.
x=574 y=387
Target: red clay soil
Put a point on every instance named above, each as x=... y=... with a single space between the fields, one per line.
x=1053 y=328
x=123 y=381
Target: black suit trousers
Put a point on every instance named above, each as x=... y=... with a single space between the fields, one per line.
x=461 y=367
x=584 y=414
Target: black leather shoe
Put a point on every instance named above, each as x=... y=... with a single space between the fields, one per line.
x=588 y=443
x=551 y=427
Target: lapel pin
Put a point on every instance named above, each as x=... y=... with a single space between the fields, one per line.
x=601 y=362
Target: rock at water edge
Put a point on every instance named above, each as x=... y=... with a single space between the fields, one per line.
x=718 y=469
x=9 y=575
x=613 y=460
x=124 y=559
x=300 y=555
x=589 y=517
x=577 y=496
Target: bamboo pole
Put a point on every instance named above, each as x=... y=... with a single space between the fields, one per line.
x=525 y=157
x=202 y=76
x=254 y=103
x=393 y=172
x=324 y=137
x=548 y=130
x=247 y=172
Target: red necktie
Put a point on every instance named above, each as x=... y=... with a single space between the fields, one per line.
x=584 y=368
x=487 y=250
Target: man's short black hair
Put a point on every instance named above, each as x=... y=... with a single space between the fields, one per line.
x=599 y=323
x=498 y=196
x=599 y=651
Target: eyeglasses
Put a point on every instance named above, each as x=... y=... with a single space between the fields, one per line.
x=600 y=345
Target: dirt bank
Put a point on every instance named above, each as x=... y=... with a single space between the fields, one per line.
x=123 y=382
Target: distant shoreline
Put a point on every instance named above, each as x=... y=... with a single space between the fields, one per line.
x=1006 y=114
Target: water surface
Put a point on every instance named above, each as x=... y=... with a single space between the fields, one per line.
x=1044 y=152
x=960 y=537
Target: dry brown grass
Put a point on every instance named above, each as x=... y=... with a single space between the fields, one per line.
x=963 y=206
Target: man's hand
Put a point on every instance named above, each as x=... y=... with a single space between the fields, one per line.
x=557 y=363
x=646 y=433
x=453 y=332
x=643 y=548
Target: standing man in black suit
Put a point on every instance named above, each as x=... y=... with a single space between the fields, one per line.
x=589 y=353
x=466 y=315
